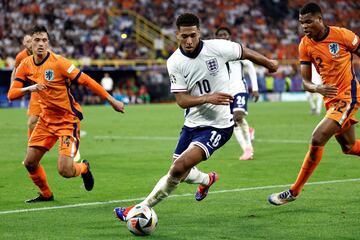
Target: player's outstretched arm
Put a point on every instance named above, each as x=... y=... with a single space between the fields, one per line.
x=17 y=90
x=84 y=79
x=185 y=100
x=260 y=59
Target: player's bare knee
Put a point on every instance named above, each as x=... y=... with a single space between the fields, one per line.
x=346 y=148
x=178 y=169
x=318 y=139
x=30 y=166
x=238 y=117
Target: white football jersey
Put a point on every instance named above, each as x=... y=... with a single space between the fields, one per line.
x=237 y=71
x=204 y=72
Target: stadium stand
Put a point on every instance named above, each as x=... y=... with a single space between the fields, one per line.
x=137 y=36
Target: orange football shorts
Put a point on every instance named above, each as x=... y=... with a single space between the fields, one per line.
x=46 y=134
x=342 y=111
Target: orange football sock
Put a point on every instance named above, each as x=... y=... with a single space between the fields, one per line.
x=40 y=180
x=311 y=160
x=355 y=149
x=80 y=168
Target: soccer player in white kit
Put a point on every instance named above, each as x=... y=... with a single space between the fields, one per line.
x=239 y=90
x=200 y=82
x=315 y=99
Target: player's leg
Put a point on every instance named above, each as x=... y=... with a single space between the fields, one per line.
x=69 y=137
x=242 y=133
x=201 y=144
x=183 y=164
x=319 y=103
x=194 y=175
x=204 y=143
x=40 y=141
x=37 y=174
x=238 y=131
x=168 y=183
x=348 y=142
x=322 y=133
x=68 y=168
x=241 y=129
x=31 y=123
x=310 y=98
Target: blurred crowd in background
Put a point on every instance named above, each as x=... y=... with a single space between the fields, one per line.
x=95 y=29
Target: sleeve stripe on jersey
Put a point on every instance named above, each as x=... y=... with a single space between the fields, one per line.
x=71 y=99
x=71 y=68
x=178 y=90
x=241 y=49
x=305 y=62
x=20 y=80
x=77 y=77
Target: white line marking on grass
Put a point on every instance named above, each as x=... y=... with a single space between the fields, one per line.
x=135 y=138
x=160 y=138
x=171 y=196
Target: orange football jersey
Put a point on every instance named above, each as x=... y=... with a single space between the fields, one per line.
x=21 y=56
x=57 y=103
x=332 y=58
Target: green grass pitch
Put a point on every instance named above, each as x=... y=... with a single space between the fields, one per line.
x=130 y=152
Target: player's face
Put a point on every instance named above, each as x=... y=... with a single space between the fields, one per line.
x=189 y=38
x=40 y=43
x=223 y=34
x=27 y=43
x=311 y=24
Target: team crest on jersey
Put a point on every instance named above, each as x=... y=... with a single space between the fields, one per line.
x=212 y=65
x=49 y=74
x=334 y=48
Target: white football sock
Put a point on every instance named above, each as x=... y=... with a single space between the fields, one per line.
x=311 y=101
x=195 y=176
x=162 y=190
x=319 y=103
x=246 y=133
x=239 y=137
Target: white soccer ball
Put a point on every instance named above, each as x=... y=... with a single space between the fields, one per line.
x=141 y=220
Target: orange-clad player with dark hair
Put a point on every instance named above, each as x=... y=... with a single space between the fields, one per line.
x=330 y=49
x=51 y=76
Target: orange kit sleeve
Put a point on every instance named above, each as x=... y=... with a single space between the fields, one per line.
x=351 y=40
x=15 y=90
x=303 y=55
x=87 y=81
x=18 y=83
x=74 y=74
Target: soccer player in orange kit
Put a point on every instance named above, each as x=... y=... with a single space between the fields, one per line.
x=51 y=76
x=330 y=49
x=34 y=109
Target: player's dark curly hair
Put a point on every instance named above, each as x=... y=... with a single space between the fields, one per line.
x=38 y=29
x=310 y=8
x=187 y=20
x=223 y=29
